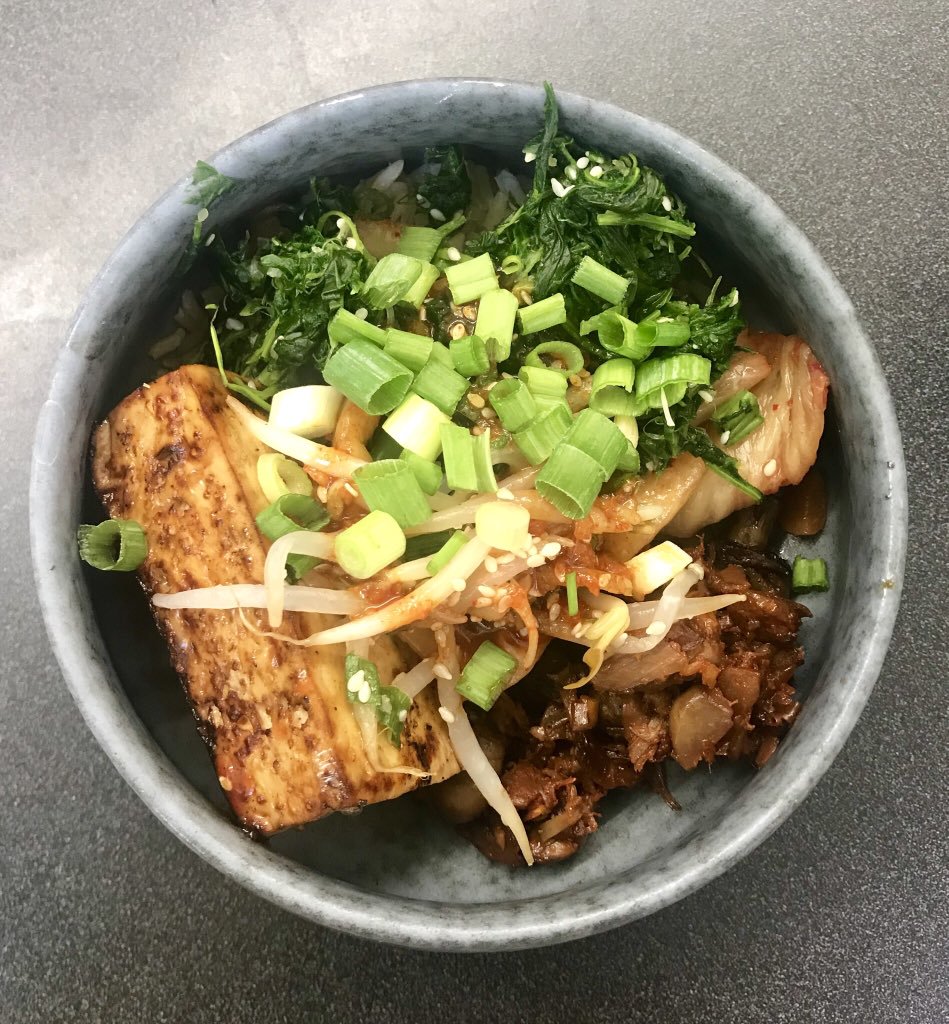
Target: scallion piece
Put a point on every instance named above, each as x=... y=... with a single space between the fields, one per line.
x=471 y=279
x=391 y=486
x=278 y=475
x=612 y=387
x=562 y=356
x=539 y=439
x=809 y=574
x=346 y=327
x=470 y=355
x=415 y=425
x=310 y=410
x=543 y=314
x=422 y=243
x=467 y=459
x=443 y=354
x=484 y=677
x=600 y=280
x=389 y=703
x=503 y=525
x=369 y=545
x=663 y=333
x=428 y=474
x=367 y=376
x=116 y=545
x=598 y=437
x=496 y=313
x=417 y=294
x=424 y=544
x=542 y=381
x=411 y=350
x=440 y=385
x=288 y=514
x=593 y=324
x=672 y=375
x=738 y=417
x=622 y=337
x=629 y=461
x=447 y=552
x=573 y=600
x=570 y=480
x=512 y=400
x=381 y=446
x=665 y=225
x=390 y=279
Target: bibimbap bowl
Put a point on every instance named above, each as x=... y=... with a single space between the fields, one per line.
x=394 y=872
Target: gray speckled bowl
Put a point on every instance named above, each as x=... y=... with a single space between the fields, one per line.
x=393 y=872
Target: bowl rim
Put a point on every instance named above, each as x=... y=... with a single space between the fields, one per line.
x=419 y=923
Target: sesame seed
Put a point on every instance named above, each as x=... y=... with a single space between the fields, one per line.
x=209 y=239
x=362 y=313
x=226 y=784
x=436 y=214
x=351 y=243
x=656 y=628
x=447 y=716
x=554 y=612
x=355 y=681
x=486 y=590
x=522 y=631
x=596 y=172
x=666 y=203
x=506 y=559
x=482 y=602
x=583 y=162
x=233 y=325
x=459 y=584
x=491 y=564
x=453 y=254
x=365 y=692
x=770 y=467
x=476 y=400
x=423 y=314
x=403 y=714
x=341 y=224
x=551 y=161
x=725 y=436
x=575 y=381
x=457 y=331
x=505 y=494
x=535 y=561
x=351 y=490
x=558 y=188
x=488 y=414
x=571 y=172
x=550 y=550
x=707 y=396
x=529 y=158
x=441 y=671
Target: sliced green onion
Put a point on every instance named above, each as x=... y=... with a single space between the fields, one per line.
x=600 y=280
x=543 y=314
x=738 y=417
x=390 y=279
x=512 y=400
x=447 y=552
x=389 y=703
x=664 y=225
x=539 y=439
x=663 y=333
x=346 y=327
x=496 y=313
x=542 y=381
x=629 y=461
x=562 y=352
x=422 y=243
x=470 y=355
x=428 y=474
x=417 y=294
x=381 y=446
x=308 y=411
x=415 y=425
x=116 y=545
x=424 y=544
x=621 y=336
x=809 y=574
x=547 y=402
x=484 y=677
x=369 y=545
x=503 y=525
x=471 y=279
x=440 y=385
x=288 y=514
x=467 y=459
x=573 y=600
x=593 y=324
x=598 y=437
x=611 y=388
x=411 y=350
x=570 y=480
x=278 y=475
x=512 y=265
x=367 y=376
x=629 y=427
x=443 y=354
x=672 y=375
x=391 y=486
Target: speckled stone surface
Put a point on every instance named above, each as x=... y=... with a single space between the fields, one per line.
x=841 y=915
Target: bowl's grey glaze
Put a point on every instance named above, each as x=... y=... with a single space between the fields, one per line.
x=394 y=873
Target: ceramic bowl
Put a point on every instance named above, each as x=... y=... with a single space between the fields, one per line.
x=394 y=872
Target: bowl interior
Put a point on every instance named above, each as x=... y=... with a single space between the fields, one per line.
x=644 y=854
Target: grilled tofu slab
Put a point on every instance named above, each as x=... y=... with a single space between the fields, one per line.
x=285 y=743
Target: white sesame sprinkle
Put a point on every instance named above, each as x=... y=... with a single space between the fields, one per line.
x=571 y=172
x=351 y=243
x=666 y=203
x=476 y=400
x=550 y=550
x=447 y=716
x=656 y=628
x=209 y=239
x=457 y=331
x=557 y=187
x=453 y=254
x=596 y=172
x=491 y=564
x=441 y=670
x=554 y=612
x=355 y=681
x=365 y=692
x=529 y=158
x=535 y=561
x=725 y=436
x=403 y=714
x=486 y=590
x=583 y=162
x=506 y=558
x=488 y=414
x=707 y=396
x=351 y=490
x=459 y=584
x=436 y=214
x=505 y=494
x=340 y=224
x=770 y=468
x=233 y=325
x=362 y=313
x=551 y=161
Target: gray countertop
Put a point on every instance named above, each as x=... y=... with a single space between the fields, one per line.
x=839 y=112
